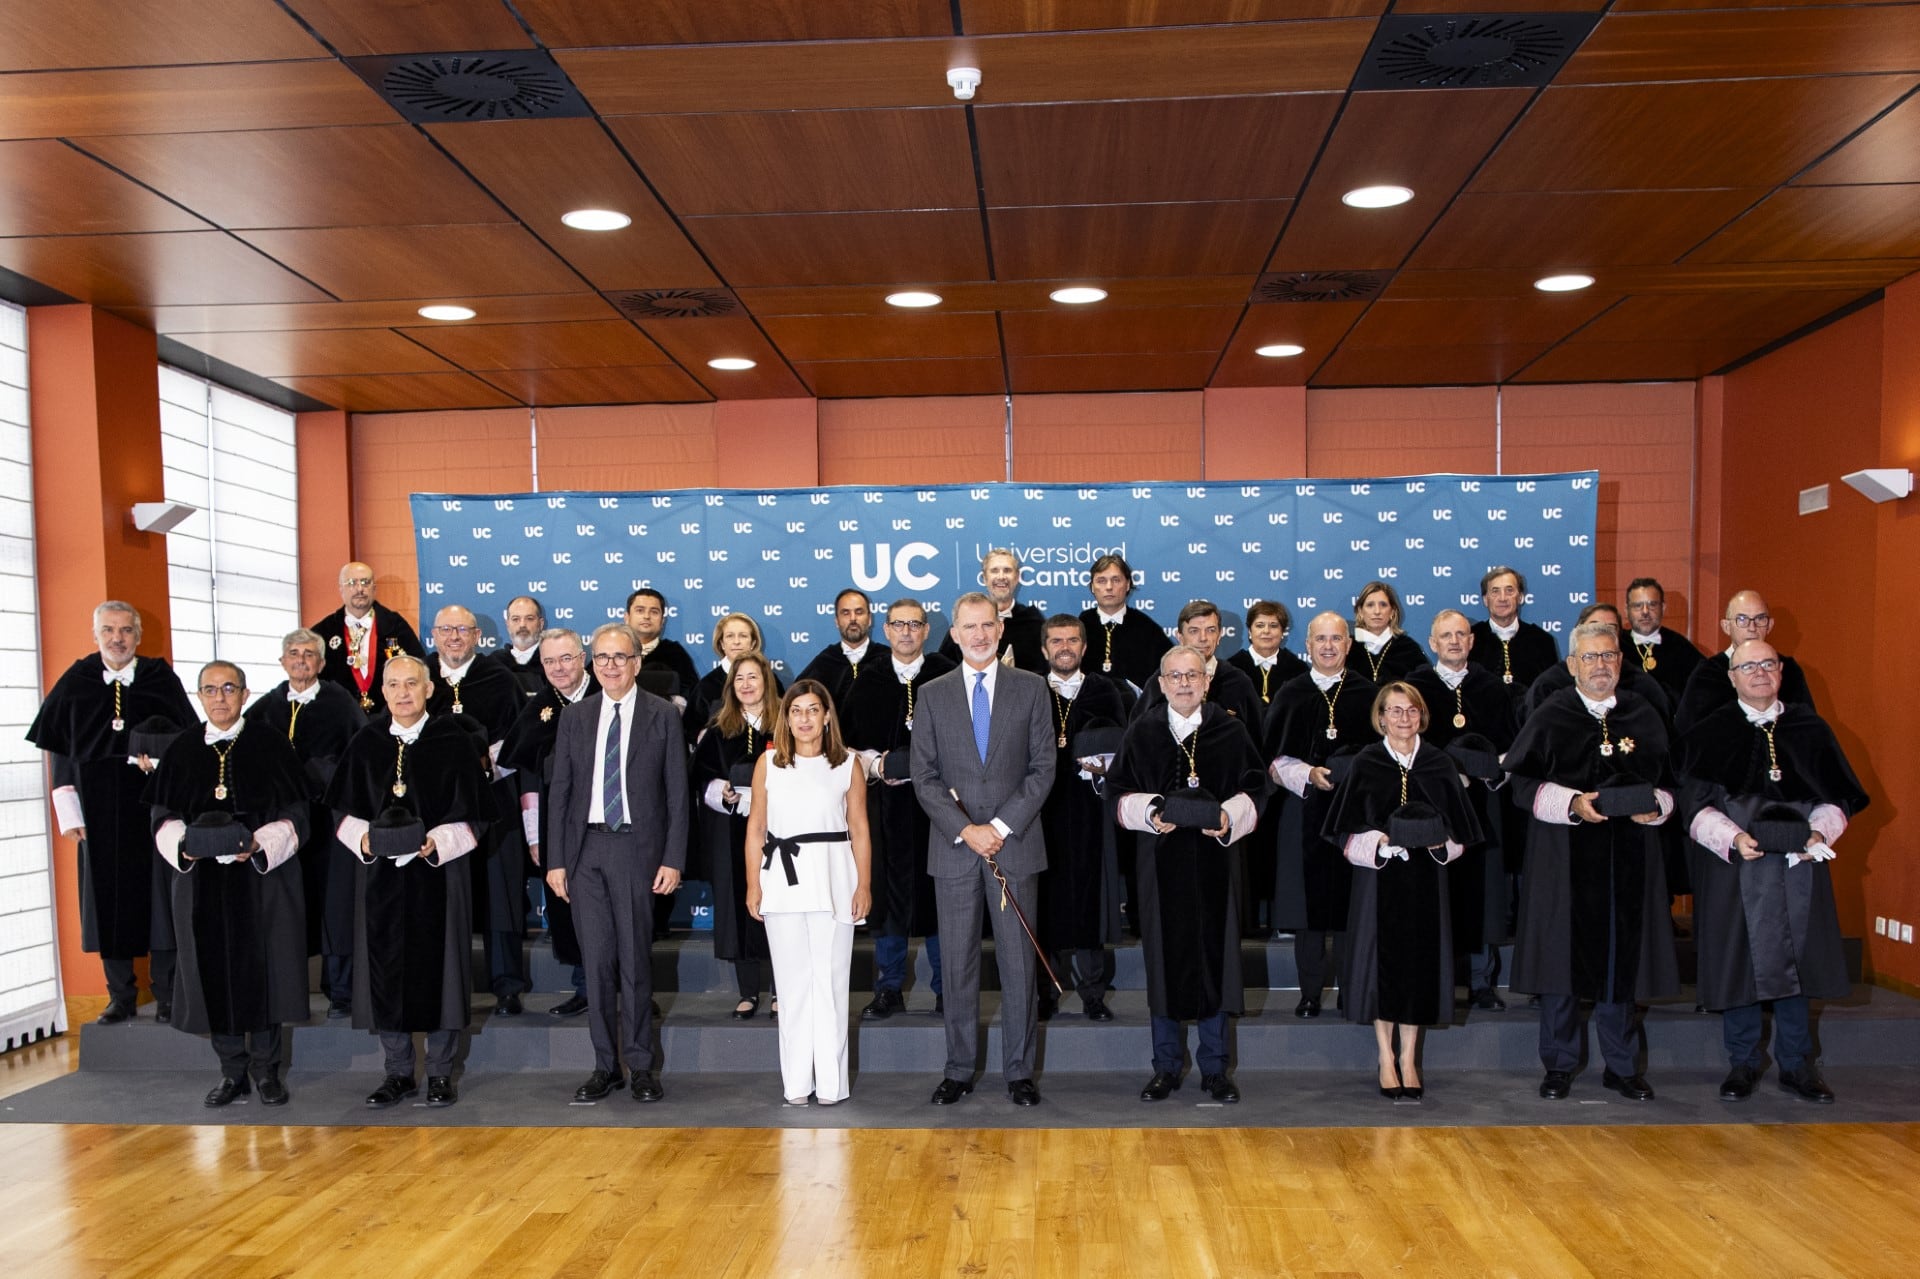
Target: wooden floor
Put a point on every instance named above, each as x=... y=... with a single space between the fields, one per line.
x=333 y=1202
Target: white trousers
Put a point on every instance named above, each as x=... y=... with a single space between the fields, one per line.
x=812 y=960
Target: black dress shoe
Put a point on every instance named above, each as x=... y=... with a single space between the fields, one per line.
x=1486 y=1000
x=1309 y=1006
x=1806 y=1084
x=572 y=1006
x=1738 y=1085
x=884 y=1005
x=272 y=1091
x=1023 y=1093
x=653 y=1006
x=225 y=1093
x=1097 y=1010
x=1162 y=1086
x=948 y=1091
x=939 y=1006
x=646 y=1086
x=746 y=1008
x=393 y=1090
x=163 y=1013
x=1633 y=1087
x=114 y=1014
x=440 y=1091
x=1557 y=1085
x=1220 y=1088
x=1045 y=1009
x=508 y=1006
x=599 y=1084
x=339 y=1009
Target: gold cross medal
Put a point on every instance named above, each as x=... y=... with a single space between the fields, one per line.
x=546 y=714
x=1626 y=746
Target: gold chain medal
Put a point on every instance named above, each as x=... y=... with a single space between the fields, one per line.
x=1774 y=772
x=220 y=782
x=119 y=716
x=1333 y=731
x=909 y=720
x=1606 y=742
x=399 y=770
x=1193 y=766
x=1061 y=709
x=1506 y=662
x=1647 y=660
x=1459 y=705
x=1107 y=664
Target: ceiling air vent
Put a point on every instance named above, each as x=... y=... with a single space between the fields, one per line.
x=1471 y=50
x=1320 y=286
x=676 y=304
x=439 y=88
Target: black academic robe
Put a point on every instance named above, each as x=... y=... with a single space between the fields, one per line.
x=1478 y=884
x=876 y=720
x=1261 y=846
x=1311 y=878
x=490 y=701
x=1673 y=660
x=707 y=695
x=1632 y=680
x=1024 y=630
x=529 y=675
x=831 y=668
x=1711 y=686
x=1266 y=683
x=319 y=733
x=528 y=750
x=1398 y=961
x=1399 y=658
x=392 y=635
x=1524 y=657
x=723 y=840
x=1762 y=930
x=1130 y=651
x=1189 y=884
x=1230 y=690
x=413 y=924
x=123 y=898
x=242 y=934
x=1592 y=889
x=671 y=655
x=1080 y=890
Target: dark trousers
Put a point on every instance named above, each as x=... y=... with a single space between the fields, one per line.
x=1170 y=1044
x=613 y=903
x=751 y=975
x=1089 y=973
x=397 y=1048
x=1792 y=1034
x=336 y=978
x=258 y=1053
x=507 y=964
x=1483 y=967
x=121 y=987
x=1615 y=1024
x=960 y=902
x=1313 y=956
x=890 y=963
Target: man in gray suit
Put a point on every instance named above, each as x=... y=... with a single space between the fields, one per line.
x=983 y=758
x=617 y=827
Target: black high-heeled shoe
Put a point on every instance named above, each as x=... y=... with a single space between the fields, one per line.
x=752 y=1003
x=1392 y=1094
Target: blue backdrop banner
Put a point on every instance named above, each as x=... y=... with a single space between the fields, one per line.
x=780 y=555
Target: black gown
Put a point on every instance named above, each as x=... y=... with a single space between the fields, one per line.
x=490 y=701
x=876 y=720
x=707 y=695
x=242 y=934
x=723 y=841
x=1262 y=846
x=1764 y=930
x=1311 y=878
x=1710 y=687
x=1478 y=886
x=124 y=899
x=1230 y=690
x=1266 y=684
x=392 y=636
x=1189 y=885
x=1025 y=628
x=1673 y=658
x=413 y=924
x=1399 y=658
x=1558 y=679
x=528 y=750
x=1525 y=657
x=1398 y=961
x=320 y=734
x=1134 y=647
x=1594 y=889
x=832 y=669
x=529 y=675
x=1080 y=889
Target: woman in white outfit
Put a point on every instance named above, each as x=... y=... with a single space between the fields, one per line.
x=807 y=876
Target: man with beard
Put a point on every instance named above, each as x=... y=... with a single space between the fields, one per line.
x=1019 y=623
x=1125 y=643
x=229 y=813
x=86 y=728
x=363 y=633
x=1516 y=651
x=1188 y=779
x=521 y=656
x=837 y=665
x=319 y=718
x=1708 y=688
x=1590 y=764
x=878 y=724
x=1656 y=649
x=1227 y=685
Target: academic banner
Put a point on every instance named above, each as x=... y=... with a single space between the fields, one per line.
x=780 y=555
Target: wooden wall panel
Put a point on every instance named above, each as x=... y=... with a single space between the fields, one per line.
x=936 y=440
x=1359 y=433
x=1107 y=438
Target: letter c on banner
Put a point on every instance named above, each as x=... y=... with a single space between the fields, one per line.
x=903 y=571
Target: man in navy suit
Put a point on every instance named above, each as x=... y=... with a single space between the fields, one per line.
x=983 y=762
x=618 y=831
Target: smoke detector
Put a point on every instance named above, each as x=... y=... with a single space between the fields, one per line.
x=965 y=80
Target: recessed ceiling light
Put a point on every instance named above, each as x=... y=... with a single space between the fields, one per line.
x=730 y=363
x=1562 y=283
x=1079 y=295
x=446 y=312
x=1279 y=350
x=596 y=220
x=1384 y=197
x=913 y=298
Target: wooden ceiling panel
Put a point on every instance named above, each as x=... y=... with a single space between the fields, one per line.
x=317 y=352
x=644 y=384
x=167 y=268
x=1318 y=326
x=144 y=33
x=401 y=392
x=838 y=248
x=1542 y=317
x=1503 y=6
x=523 y=309
x=989 y=17
x=1018 y=295
x=867 y=379
x=591 y=344
x=1803 y=223
x=1691 y=277
x=1184 y=371
x=1887 y=151
x=901 y=336
x=693 y=342
x=358 y=29
x=48 y=188
x=1631 y=361
x=541 y=169
x=1851 y=40
x=1674 y=5
x=1063 y=242
x=260 y=95
x=1751 y=133
x=366 y=263
x=805 y=161
x=383 y=175
x=1424 y=365
x=1118 y=330
x=1430 y=142
x=585 y=23
x=1168 y=149
x=1751 y=318
x=1549 y=231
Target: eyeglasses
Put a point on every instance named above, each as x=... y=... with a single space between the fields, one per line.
x=1645 y=606
x=1611 y=658
x=906 y=626
x=563 y=659
x=455 y=630
x=614 y=659
x=1401 y=712
x=301 y=654
x=1766 y=665
x=219 y=690
x=1752 y=619
x=1183 y=677
x=357 y=582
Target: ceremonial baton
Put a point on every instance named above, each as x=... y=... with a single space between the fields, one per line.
x=1008 y=899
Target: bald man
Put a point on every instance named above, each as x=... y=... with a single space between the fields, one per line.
x=1710 y=686
x=360 y=636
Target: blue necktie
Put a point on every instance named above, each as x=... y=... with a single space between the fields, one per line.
x=611 y=808
x=982 y=713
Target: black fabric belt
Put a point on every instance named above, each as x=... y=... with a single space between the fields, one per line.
x=790 y=845
x=601 y=828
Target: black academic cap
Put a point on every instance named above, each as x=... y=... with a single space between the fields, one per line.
x=898 y=765
x=658 y=680
x=1780 y=828
x=1416 y=824
x=1100 y=739
x=151 y=736
x=1623 y=795
x=740 y=775
x=1339 y=765
x=215 y=834
x=1192 y=809
x=1475 y=756
x=395 y=833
